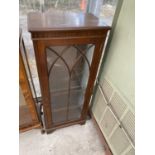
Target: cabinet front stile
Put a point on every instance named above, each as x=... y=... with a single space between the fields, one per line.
x=40 y=54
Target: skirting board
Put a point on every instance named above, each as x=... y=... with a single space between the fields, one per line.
x=105 y=144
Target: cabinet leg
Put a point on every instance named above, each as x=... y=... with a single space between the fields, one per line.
x=51 y=131
x=42 y=131
x=83 y=123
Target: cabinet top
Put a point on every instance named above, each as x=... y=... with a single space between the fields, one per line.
x=51 y=21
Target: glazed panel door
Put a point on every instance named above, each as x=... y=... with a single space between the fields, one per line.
x=68 y=73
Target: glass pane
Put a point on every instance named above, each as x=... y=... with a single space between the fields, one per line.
x=68 y=71
x=107 y=11
x=103 y=9
x=66 y=5
x=29 y=51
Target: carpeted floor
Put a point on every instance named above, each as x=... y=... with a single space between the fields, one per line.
x=73 y=140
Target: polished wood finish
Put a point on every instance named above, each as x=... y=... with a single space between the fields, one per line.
x=53 y=21
x=28 y=113
x=51 y=29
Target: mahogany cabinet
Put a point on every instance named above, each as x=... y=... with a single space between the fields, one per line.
x=68 y=48
x=28 y=116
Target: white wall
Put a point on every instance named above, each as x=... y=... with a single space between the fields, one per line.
x=119 y=66
x=113 y=104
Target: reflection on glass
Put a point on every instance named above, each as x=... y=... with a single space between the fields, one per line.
x=68 y=71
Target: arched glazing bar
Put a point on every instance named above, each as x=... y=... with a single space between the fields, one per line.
x=63 y=51
x=59 y=56
x=82 y=54
x=70 y=71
